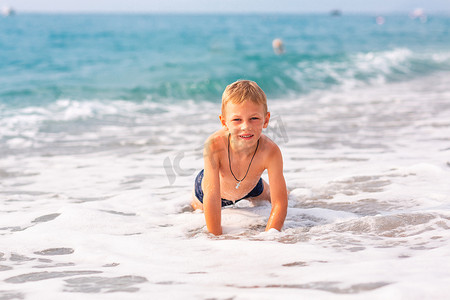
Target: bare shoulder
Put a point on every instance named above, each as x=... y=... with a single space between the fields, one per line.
x=216 y=142
x=273 y=162
x=270 y=148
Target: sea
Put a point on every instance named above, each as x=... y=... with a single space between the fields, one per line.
x=102 y=123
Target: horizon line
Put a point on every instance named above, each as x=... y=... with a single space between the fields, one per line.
x=213 y=12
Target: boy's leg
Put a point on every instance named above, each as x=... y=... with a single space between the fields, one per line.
x=196 y=204
x=265 y=195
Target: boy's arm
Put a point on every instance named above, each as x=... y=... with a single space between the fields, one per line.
x=278 y=192
x=212 y=203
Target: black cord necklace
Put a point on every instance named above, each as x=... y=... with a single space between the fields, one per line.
x=229 y=162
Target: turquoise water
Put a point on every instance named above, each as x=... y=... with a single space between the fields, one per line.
x=44 y=58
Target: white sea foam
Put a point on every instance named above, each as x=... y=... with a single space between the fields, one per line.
x=95 y=201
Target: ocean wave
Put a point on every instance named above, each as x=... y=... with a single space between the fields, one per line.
x=297 y=74
x=360 y=69
x=287 y=76
x=91 y=124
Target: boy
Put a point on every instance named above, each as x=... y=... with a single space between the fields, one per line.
x=236 y=156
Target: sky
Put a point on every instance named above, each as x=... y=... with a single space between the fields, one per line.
x=227 y=6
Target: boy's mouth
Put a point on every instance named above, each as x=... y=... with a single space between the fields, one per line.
x=246 y=136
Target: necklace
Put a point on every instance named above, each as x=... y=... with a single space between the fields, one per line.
x=229 y=162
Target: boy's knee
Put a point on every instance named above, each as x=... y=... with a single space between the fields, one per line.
x=195 y=203
x=266 y=191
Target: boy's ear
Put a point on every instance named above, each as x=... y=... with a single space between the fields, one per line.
x=223 y=122
x=266 y=120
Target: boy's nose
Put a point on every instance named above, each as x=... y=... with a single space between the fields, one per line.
x=245 y=125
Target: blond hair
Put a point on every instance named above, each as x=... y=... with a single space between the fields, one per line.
x=244 y=90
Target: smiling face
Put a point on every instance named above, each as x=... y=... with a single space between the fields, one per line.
x=245 y=121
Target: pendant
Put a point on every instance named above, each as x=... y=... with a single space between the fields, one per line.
x=238 y=184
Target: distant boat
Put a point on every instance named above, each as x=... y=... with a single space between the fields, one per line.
x=336 y=13
x=8 y=11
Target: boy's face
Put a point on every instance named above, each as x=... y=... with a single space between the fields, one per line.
x=245 y=121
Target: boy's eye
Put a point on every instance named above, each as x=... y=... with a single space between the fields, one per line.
x=255 y=118
x=236 y=120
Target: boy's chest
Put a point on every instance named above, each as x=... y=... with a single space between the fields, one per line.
x=238 y=179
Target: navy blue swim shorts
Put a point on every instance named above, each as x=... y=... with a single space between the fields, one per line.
x=257 y=190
